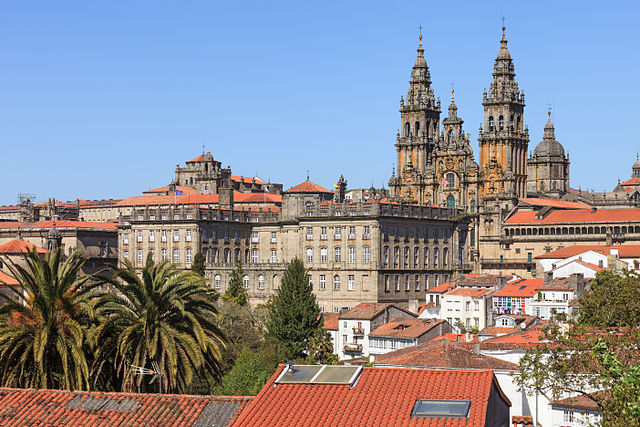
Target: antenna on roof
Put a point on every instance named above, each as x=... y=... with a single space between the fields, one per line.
x=139 y=370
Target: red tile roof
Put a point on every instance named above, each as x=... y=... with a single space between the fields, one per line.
x=200 y=199
x=308 y=187
x=442 y=353
x=453 y=337
x=559 y=284
x=581 y=216
x=580 y=401
x=185 y=190
x=632 y=181
x=64 y=408
x=405 y=328
x=57 y=203
x=474 y=292
x=197 y=159
x=520 y=289
x=369 y=310
x=535 y=201
x=247 y=179
x=624 y=251
x=59 y=225
x=19 y=247
x=330 y=321
x=381 y=396
x=528 y=337
x=5 y=279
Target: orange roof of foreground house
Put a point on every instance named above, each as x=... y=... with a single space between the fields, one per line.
x=19 y=246
x=442 y=353
x=582 y=401
x=63 y=408
x=330 y=321
x=624 y=251
x=528 y=337
x=522 y=289
x=535 y=201
x=581 y=216
x=59 y=225
x=557 y=284
x=308 y=187
x=5 y=279
x=473 y=292
x=380 y=396
x=405 y=328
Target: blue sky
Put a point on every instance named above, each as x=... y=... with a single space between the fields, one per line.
x=102 y=99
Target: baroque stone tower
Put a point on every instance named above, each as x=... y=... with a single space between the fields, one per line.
x=420 y=124
x=548 y=168
x=503 y=140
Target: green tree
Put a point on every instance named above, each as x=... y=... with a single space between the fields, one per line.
x=197 y=266
x=243 y=326
x=43 y=323
x=321 y=348
x=163 y=315
x=295 y=315
x=236 y=292
x=598 y=351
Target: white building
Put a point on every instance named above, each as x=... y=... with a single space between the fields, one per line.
x=576 y=266
x=578 y=411
x=557 y=296
x=617 y=257
x=403 y=333
x=516 y=297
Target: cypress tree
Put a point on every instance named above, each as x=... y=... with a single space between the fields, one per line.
x=236 y=292
x=198 y=264
x=294 y=315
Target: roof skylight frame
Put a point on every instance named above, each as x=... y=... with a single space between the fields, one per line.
x=458 y=408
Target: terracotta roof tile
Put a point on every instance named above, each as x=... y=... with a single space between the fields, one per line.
x=558 y=284
x=528 y=337
x=442 y=353
x=580 y=401
x=247 y=179
x=62 y=408
x=581 y=216
x=381 y=396
x=197 y=159
x=185 y=190
x=535 y=201
x=474 y=292
x=330 y=321
x=632 y=181
x=624 y=251
x=5 y=279
x=405 y=328
x=308 y=187
x=521 y=289
x=19 y=247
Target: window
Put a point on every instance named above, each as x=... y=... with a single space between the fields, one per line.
x=476 y=305
x=337 y=310
x=435 y=280
x=426 y=257
x=568 y=416
x=472 y=205
x=176 y=235
x=152 y=236
x=367 y=232
x=163 y=254
x=445 y=256
x=323 y=282
x=490 y=122
x=163 y=236
x=274 y=256
x=204 y=235
x=216 y=281
x=139 y=235
x=338 y=233
x=435 y=257
x=261 y=282
x=501 y=122
x=366 y=254
x=273 y=237
x=352 y=254
x=226 y=236
x=417 y=283
x=125 y=238
x=336 y=283
x=254 y=237
x=188 y=236
x=337 y=252
x=176 y=255
x=254 y=256
x=476 y=322
x=396 y=256
x=385 y=255
x=426 y=282
x=126 y=254
x=352 y=232
x=245 y=281
x=309 y=233
x=451 y=180
x=397 y=283
x=468 y=306
x=323 y=233
x=214 y=255
x=451 y=202
x=406 y=256
x=416 y=257
x=351 y=282
x=309 y=255
x=236 y=255
x=188 y=256
x=139 y=255
x=323 y=254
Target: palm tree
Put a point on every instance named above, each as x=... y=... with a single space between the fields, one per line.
x=162 y=315
x=44 y=321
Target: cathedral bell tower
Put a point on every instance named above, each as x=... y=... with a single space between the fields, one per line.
x=503 y=138
x=420 y=123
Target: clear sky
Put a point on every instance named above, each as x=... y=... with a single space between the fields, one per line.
x=101 y=99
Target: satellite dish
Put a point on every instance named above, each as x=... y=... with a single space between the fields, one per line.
x=523 y=326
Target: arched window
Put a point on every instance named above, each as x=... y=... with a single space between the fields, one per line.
x=435 y=257
x=245 y=281
x=385 y=255
x=276 y=281
x=417 y=127
x=451 y=134
x=490 y=122
x=426 y=257
x=407 y=129
x=261 y=282
x=336 y=283
x=188 y=255
x=236 y=255
x=226 y=255
x=501 y=122
x=309 y=255
x=518 y=123
x=176 y=255
x=445 y=253
x=434 y=130
x=216 y=281
x=451 y=202
x=472 y=205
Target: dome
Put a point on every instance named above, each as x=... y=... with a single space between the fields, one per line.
x=636 y=165
x=549 y=147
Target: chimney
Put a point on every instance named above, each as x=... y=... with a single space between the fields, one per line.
x=576 y=282
x=500 y=281
x=413 y=305
x=476 y=348
x=548 y=276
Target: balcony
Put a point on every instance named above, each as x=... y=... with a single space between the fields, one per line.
x=358 y=331
x=353 y=348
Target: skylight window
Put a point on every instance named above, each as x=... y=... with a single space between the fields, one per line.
x=425 y=408
x=319 y=374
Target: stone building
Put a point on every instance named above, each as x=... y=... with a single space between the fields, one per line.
x=548 y=167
